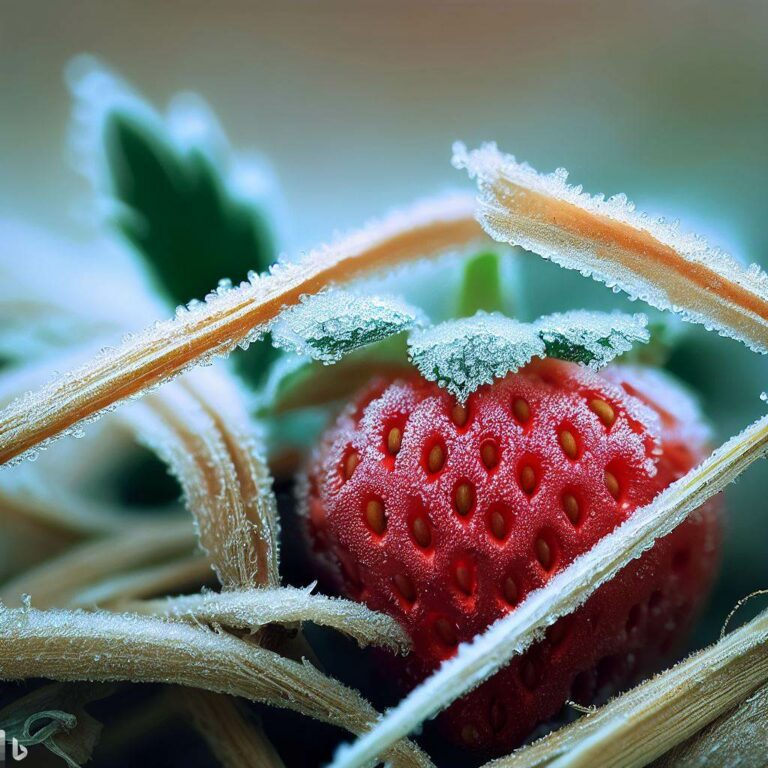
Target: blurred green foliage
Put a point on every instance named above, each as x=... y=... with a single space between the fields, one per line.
x=174 y=207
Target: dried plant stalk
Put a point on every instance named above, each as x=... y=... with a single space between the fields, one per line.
x=73 y=645
x=250 y=609
x=225 y=483
x=737 y=739
x=236 y=742
x=634 y=729
x=54 y=582
x=565 y=592
x=610 y=241
x=178 y=575
x=226 y=320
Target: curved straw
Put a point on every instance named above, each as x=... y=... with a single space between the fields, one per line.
x=228 y=318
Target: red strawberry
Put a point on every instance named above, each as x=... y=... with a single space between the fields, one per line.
x=446 y=516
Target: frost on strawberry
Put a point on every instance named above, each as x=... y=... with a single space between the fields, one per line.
x=446 y=514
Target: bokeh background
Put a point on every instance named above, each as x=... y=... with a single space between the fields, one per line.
x=355 y=105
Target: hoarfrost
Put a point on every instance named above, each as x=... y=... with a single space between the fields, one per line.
x=591 y=338
x=329 y=325
x=649 y=258
x=462 y=355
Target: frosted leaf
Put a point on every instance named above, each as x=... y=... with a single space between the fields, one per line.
x=591 y=338
x=329 y=325
x=609 y=240
x=462 y=355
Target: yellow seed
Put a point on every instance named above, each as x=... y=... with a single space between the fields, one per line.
x=604 y=411
x=374 y=514
x=405 y=587
x=351 y=464
x=463 y=498
x=511 y=593
x=528 y=479
x=544 y=554
x=459 y=415
x=571 y=507
x=394 y=438
x=612 y=484
x=421 y=532
x=568 y=443
x=489 y=454
x=464 y=579
x=521 y=409
x=446 y=632
x=436 y=458
x=498 y=524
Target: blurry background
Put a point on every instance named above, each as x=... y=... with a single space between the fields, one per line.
x=356 y=104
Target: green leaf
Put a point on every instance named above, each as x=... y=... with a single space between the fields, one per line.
x=174 y=190
x=329 y=325
x=462 y=355
x=176 y=210
x=591 y=338
x=481 y=287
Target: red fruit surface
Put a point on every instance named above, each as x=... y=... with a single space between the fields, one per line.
x=446 y=517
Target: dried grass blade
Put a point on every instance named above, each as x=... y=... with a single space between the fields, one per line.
x=611 y=242
x=54 y=582
x=225 y=485
x=226 y=320
x=74 y=645
x=567 y=590
x=634 y=729
x=737 y=739
x=250 y=609
x=235 y=740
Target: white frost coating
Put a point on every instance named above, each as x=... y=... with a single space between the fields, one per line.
x=326 y=326
x=499 y=175
x=565 y=592
x=592 y=338
x=462 y=355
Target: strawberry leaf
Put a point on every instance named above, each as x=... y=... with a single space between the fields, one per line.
x=462 y=355
x=329 y=325
x=591 y=338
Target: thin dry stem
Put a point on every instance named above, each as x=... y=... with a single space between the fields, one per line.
x=226 y=320
x=254 y=608
x=565 y=592
x=636 y=728
x=55 y=581
x=235 y=740
x=73 y=645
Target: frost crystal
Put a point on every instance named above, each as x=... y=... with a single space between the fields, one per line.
x=461 y=355
x=329 y=325
x=592 y=338
x=609 y=240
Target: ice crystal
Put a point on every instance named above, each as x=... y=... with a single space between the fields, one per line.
x=608 y=239
x=592 y=338
x=462 y=355
x=329 y=325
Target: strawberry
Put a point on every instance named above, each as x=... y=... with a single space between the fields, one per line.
x=446 y=516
